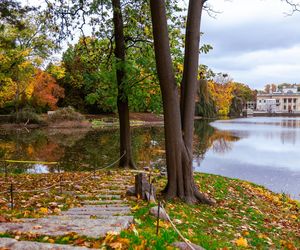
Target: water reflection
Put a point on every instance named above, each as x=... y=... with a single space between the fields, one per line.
x=262 y=150
x=267 y=153
x=77 y=149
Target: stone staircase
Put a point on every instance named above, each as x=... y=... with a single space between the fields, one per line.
x=101 y=212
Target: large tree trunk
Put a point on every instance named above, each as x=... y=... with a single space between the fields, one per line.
x=122 y=99
x=178 y=114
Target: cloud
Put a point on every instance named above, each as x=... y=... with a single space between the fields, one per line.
x=254 y=41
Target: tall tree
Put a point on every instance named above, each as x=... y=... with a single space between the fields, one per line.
x=122 y=99
x=179 y=111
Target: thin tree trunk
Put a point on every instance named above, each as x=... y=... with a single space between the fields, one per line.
x=178 y=115
x=122 y=99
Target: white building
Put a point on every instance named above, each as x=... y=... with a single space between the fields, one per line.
x=286 y=100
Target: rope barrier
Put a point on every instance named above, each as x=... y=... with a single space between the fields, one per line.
x=177 y=231
x=59 y=184
x=31 y=162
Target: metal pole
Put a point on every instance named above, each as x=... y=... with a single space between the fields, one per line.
x=60 y=186
x=11 y=196
x=157 y=224
x=5 y=171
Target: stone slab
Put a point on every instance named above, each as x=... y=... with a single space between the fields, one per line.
x=12 y=244
x=109 y=196
x=101 y=202
x=59 y=225
x=98 y=211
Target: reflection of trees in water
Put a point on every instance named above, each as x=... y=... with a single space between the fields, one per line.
x=80 y=150
x=99 y=148
x=27 y=147
x=87 y=150
x=207 y=137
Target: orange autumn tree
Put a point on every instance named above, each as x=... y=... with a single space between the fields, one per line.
x=46 y=91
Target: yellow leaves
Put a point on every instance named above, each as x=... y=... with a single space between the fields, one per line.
x=241 y=242
x=287 y=245
x=135 y=208
x=245 y=233
x=43 y=210
x=262 y=236
x=162 y=224
x=147 y=31
x=294 y=217
x=46 y=238
x=180 y=67
x=222 y=95
x=51 y=241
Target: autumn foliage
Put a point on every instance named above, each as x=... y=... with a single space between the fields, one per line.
x=222 y=94
x=46 y=91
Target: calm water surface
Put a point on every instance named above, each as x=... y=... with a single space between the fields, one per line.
x=262 y=150
x=267 y=152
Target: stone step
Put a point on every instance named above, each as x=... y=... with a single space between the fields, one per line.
x=12 y=244
x=109 y=196
x=103 y=202
x=97 y=210
x=56 y=226
x=107 y=191
x=114 y=187
x=102 y=196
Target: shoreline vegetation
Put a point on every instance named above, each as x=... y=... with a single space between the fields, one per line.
x=73 y=119
x=246 y=216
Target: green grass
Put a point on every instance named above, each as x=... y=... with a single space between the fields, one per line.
x=263 y=219
x=244 y=212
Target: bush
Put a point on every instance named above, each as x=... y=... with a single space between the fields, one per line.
x=26 y=115
x=66 y=114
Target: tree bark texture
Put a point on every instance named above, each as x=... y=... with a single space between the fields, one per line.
x=178 y=110
x=122 y=99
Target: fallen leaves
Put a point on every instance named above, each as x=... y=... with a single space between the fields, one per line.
x=4 y=219
x=43 y=210
x=241 y=242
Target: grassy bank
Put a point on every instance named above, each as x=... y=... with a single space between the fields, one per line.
x=246 y=215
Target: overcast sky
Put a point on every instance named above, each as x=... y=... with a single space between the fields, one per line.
x=254 y=41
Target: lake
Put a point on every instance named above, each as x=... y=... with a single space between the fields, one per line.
x=267 y=152
x=262 y=150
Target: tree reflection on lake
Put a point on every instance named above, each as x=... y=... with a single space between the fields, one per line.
x=267 y=153
x=262 y=150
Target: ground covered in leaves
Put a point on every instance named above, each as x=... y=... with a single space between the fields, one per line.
x=246 y=215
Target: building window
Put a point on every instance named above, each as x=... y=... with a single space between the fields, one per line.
x=284 y=107
x=284 y=100
x=264 y=101
x=290 y=100
x=295 y=100
x=294 y=107
x=259 y=101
